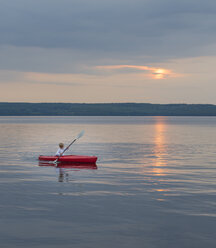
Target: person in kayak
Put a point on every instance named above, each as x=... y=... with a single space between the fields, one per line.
x=60 y=150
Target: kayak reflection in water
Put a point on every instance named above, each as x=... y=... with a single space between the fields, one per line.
x=63 y=169
x=62 y=175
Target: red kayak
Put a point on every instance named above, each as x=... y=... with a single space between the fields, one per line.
x=70 y=159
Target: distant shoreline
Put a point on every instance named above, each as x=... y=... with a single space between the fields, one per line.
x=105 y=109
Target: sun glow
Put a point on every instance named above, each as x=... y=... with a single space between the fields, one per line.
x=160 y=73
x=154 y=73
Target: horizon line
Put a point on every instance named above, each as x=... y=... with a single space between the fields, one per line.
x=111 y=103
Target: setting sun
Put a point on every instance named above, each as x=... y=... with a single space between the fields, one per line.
x=160 y=73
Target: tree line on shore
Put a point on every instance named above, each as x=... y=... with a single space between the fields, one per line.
x=105 y=109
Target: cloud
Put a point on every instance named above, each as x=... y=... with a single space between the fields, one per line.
x=156 y=73
x=19 y=77
x=71 y=79
x=63 y=43
x=155 y=28
x=70 y=36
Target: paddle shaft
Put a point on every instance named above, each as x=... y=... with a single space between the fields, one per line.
x=79 y=136
x=55 y=162
x=68 y=147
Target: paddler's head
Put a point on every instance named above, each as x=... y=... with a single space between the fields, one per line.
x=61 y=145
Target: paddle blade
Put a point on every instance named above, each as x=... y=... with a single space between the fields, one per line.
x=80 y=134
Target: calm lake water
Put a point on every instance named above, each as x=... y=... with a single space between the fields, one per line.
x=155 y=185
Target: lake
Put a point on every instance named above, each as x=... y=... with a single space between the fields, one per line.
x=154 y=186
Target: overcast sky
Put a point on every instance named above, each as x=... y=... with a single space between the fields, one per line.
x=158 y=51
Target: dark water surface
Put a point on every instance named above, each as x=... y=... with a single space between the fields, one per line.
x=155 y=185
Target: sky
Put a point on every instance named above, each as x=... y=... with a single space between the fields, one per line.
x=156 y=51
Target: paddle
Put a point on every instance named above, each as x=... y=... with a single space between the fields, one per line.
x=78 y=136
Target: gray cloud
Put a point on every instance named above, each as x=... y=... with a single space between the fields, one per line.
x=153 y=28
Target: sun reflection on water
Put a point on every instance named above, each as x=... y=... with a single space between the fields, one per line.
x=159 y=149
